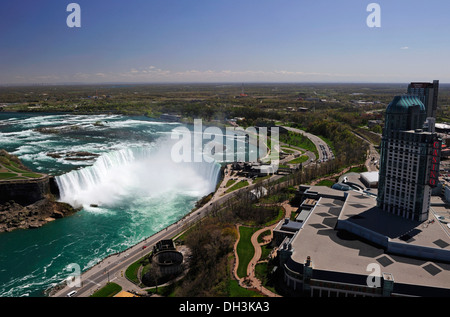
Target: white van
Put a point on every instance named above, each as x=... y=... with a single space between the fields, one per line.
x=70 y=294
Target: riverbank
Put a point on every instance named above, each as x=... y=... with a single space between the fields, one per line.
x=14 y=216
x=113 y=267
x=156 y=192
x=26 y=198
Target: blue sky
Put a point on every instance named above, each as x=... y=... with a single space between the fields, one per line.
x=224 y=41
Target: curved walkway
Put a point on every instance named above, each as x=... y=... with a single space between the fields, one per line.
x=251 y=281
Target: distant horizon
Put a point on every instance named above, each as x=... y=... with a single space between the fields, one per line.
x=181 y=41
x=239 y=83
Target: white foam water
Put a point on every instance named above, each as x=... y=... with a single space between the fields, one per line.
x=137 y=186
x=135 y=172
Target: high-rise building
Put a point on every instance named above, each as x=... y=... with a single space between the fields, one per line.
x=428 y=93
x=340 y=234
x=410 y=151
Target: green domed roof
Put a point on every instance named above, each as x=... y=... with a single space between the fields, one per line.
x=400 y=104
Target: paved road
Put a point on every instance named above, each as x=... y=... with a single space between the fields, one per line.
x=311 y=155
x=324 y=150
x=113 y=267
x=373 y=157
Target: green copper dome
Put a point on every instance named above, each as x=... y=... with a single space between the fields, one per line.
x=400 y=104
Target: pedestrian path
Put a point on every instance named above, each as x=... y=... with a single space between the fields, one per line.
x=251 y=281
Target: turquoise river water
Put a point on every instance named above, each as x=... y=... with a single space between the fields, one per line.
x=138 y=189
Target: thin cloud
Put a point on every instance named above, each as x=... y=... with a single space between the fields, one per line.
x=404 y=48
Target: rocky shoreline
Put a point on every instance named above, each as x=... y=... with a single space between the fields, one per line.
x=15 y=216
x=27 y=203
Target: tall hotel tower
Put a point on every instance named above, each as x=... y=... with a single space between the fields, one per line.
x=410 y=152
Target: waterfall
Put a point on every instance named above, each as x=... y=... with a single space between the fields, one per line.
x=119 y=176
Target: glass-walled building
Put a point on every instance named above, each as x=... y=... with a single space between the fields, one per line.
x=428 y=94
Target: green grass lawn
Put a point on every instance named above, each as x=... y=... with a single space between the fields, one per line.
x=32 y=175
x=237 y=186
x=299 y=160
x=11 y=170
x=261 y=178
x=358 y=169
x=265 y=251
x=166 y=291
x=325 y=182
x=261 y=272
x=245 y=249
x=262 y=235
x=14 y=169
x=287 y=150
x=7 y=175
x=10 y=175
x=109 y=290
x=299 y=140
x=132 y=271
x=230 y=182
x=235 y=290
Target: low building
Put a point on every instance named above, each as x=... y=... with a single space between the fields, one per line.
x=254 y=169
x=347 y=246
x=166 y=258
x=370 y=179
x=285 y=228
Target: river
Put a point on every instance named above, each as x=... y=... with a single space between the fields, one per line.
x=128 y=189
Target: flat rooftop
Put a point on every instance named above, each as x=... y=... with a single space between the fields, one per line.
x=370 y=177
x=322 y=191
x=339 y=251
x=362 y=210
